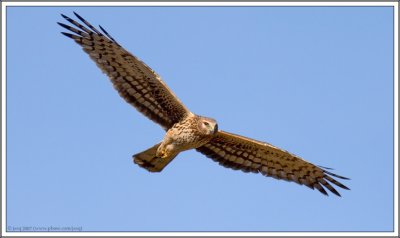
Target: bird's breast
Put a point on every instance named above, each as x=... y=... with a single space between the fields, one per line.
x=186 y=136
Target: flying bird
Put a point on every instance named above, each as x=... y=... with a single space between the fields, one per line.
x=143 y=88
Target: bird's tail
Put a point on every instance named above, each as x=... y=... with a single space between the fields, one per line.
x=148 y=159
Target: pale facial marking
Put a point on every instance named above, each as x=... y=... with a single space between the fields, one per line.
x=208 y=126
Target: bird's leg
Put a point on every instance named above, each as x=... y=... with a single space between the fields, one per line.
x=162 y=151
x=166 y=147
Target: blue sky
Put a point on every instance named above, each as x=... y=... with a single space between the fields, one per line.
x=316 y=81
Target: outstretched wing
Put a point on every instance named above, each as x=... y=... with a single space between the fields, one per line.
x=136 y=82
x=238 y=152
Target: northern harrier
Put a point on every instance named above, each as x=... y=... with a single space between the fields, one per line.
x=141 y=87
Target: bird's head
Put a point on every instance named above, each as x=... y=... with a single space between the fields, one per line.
x=208 y=125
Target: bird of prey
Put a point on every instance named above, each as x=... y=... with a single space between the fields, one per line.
x=141 y=87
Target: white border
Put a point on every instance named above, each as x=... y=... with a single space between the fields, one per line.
x=3 y=120
x=311 y=234
x=61 y=4
x=396 y=117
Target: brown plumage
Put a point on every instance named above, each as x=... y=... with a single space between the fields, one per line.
x=141 y=87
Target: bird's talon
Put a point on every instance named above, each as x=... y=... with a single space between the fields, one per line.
x=162 y=154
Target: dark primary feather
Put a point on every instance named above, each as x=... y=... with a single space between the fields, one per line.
x=86 y=23
x=137 y=83
x=108 y=35
x=238 y=152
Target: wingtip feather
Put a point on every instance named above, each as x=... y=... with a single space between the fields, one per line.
x=72 y=36
x=66 y=17
x=64 y=25
x=78 y=16
x=335 y=175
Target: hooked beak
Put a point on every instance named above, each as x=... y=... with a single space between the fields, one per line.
x=215 y=128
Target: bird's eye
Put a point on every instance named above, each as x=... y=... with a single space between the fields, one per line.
x=206 y=123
